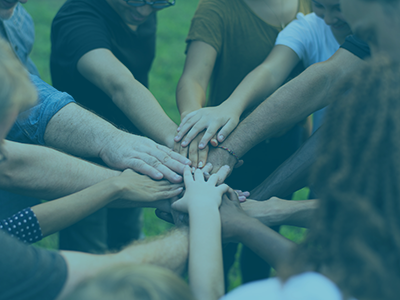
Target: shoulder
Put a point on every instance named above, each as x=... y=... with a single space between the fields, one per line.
x=310 y=20
x=308 y=285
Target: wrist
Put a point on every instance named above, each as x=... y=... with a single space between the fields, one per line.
x=235 y=106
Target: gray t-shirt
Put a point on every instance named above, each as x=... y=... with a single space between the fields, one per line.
x=28 y=272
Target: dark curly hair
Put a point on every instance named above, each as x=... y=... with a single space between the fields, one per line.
x=356 y=237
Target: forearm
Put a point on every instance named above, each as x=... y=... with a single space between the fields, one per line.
x=205 y=259
x=265 y=242
x=275 y=211
x=174 y=245
x=190 y=96
x=83 y=133
x=289 y=105
x=56 y=215
x=46 y=173
x=144 y=111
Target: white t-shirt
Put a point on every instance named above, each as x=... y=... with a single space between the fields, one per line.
x=310 y=37
x=305 y=286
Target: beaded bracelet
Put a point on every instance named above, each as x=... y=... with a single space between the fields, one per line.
x=230 y=152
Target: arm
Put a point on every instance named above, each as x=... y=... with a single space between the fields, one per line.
x=104 y=70
x=239 y=227
x=275 y=211
x=139 y=190
x=173 y=256
x=289 y=105
x=201 y=201
x=254 y=88
x=87 y=135
x=45 y=173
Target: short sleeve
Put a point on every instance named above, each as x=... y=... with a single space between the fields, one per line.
x=298 y=35
x=29 y=272
x=77 y=30
x=23 y=225
x=207 y=25
x=357 y=47
x=31 y=125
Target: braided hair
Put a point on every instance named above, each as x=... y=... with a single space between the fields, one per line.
x=356 y=237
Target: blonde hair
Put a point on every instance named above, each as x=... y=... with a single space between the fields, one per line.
x=15 y=85
x=133 y=282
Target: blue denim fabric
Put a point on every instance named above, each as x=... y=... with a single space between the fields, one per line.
x=31 y=124
x=20 y=33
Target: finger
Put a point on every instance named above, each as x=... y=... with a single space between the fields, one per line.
x=198 y=176
x=210 y=132
x=168 y=194
x=186 y=118
x=223 y=188
x=213 y=179
x=193 y=153
x=233 y=196
x=223 y=173
x=187 y=175
x=164 y=216
x=165 y=151
x=202 y=154
x=207 y=168
x=185 y=128
x=194 y=131
x=142 y=167
x=214 y=141
x=226 y=130
x=239 y=164
x=179 y=206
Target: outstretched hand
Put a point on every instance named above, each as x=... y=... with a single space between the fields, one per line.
x=144 y=156
x=201 y=193
x=222 y=118
x=197 y=156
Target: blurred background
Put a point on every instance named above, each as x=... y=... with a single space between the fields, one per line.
x=173 y=26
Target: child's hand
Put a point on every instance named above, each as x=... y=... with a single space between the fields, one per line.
x=200 y=193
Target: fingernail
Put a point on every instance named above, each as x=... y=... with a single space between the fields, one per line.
x=200 y=164
x=176 y=138
x=206 y=174
x=193 y=169
x=246 y=194
x=159 y=175
x=187 y=162
x=242 y=198
x=221 y=137
x=209 y=164
x=179 y=128
x=201 y=145
x=184 y=144
x=177 y=177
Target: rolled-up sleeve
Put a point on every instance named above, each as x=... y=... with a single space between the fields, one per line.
x=31 y=124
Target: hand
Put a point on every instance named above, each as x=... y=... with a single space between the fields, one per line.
x=222 y=118
x=242 y=195
x=219 y=157
x=197 y=156
x=144 y=156
x=200 y=193
x=232 y=216
x=135 y=187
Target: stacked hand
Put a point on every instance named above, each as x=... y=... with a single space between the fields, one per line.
x=143 y=155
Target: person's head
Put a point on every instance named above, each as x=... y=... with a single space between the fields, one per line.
x=355 y=239
x=7 y=8
x=133 y=282
x=16 y=90
x=377 y=22
x=136 y=12
x=330 y=11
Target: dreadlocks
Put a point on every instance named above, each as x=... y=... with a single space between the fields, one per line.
x=356 y=238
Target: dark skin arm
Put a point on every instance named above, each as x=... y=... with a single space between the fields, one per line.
x=239 y=227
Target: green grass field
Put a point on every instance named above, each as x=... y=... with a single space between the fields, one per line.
x=173 y=25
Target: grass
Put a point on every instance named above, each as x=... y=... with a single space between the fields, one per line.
x=173 y=25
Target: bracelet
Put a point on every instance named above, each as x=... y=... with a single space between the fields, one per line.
x=230 y=152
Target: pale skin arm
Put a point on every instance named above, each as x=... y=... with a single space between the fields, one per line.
x=104 y=70
x=137 y=190
x=41 y=172
x=255 y=87
x=290 y=104
x=87 y=135
x=173 y=256
x=201 y=201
